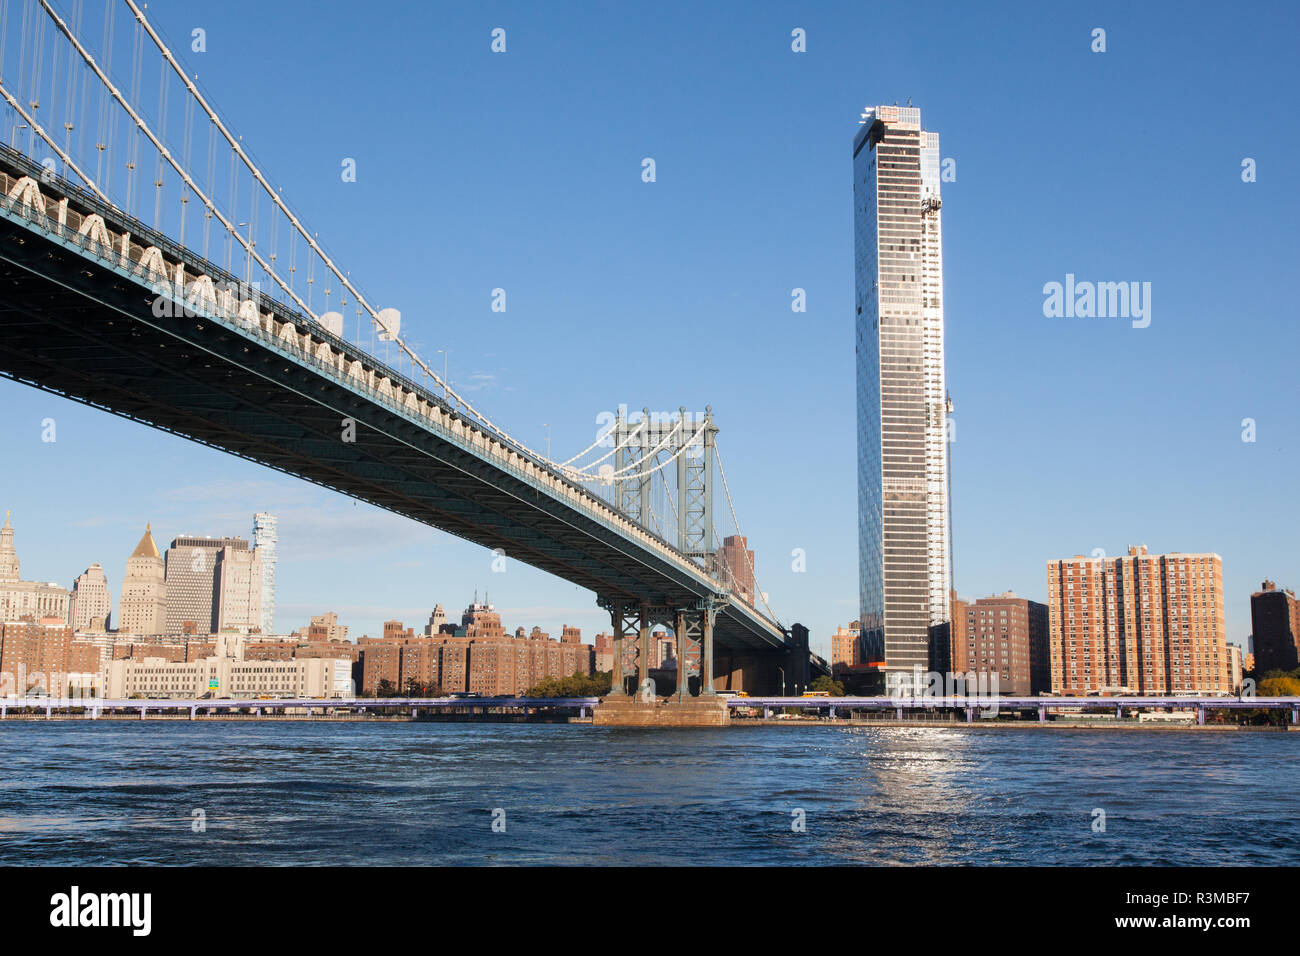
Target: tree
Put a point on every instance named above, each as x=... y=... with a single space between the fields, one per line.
x=578 y=685
x=418 y=688
x=828 y=684
x=385 y=689
x=1279 y=687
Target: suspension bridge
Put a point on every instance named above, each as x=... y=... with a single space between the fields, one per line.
x=222 y=319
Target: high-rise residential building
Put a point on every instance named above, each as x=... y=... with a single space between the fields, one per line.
x=604 y=652
x=1275 y=622
x=143 y=609
x=20 y=599
x=903 y=534
x=1007 y=636
x=1142 y=624
x=193 y=595
x=90 y=605
x=265 y=538
x=736 y=567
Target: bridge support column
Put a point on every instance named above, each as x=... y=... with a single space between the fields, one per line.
x=1295 y=715
x=622 y=620
x=899 y=711
x=1042 y=714
x=643 y=651
x=683 y=672
x=706 y=648
x=193 y=712
x=832 y=713
x=1200 y=714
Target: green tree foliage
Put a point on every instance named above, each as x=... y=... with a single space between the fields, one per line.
x=578 y=685
x=828 y=684
x=415 y=688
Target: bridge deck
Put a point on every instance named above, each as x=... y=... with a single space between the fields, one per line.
x=81 y=320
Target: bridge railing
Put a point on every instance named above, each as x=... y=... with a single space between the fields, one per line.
x=422 y=406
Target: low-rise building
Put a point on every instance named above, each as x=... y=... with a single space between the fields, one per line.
x=226 y=677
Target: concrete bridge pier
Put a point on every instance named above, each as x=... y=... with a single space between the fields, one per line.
x=692 y=626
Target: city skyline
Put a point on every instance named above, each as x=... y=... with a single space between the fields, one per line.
x=11 y=539
x=995 y=274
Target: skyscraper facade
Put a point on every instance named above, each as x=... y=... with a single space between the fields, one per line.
x=90 y=606
x=238 y=591
x=144 y=590
x=903 y=534
x=193 y=586
x=21 y=599
x=265 y=537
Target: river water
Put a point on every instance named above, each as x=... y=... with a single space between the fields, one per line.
x=287 y=793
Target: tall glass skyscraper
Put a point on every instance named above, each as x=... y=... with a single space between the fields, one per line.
x=264 y=540
x=903 y=534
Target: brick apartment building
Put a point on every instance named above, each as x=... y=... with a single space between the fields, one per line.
x=478 y=657
x=1142 y=624
x=1007 y=636
x=1275 y=622
x=43 y=654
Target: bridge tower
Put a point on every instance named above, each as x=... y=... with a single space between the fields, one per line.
x=690 y=440
x=695 y=491
x=687 y=441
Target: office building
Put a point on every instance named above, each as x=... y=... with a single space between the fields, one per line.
x=26 y=600
x=903 y=535
x=228 y=677
x=199 y=600
x=144 y=591
x=239 y=588
x=90 y=606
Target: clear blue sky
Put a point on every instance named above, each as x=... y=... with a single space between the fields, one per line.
x=523 y=171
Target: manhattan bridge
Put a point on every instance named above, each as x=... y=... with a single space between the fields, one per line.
x=150 y=269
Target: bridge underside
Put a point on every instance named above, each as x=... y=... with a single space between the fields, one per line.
x=74 y=327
